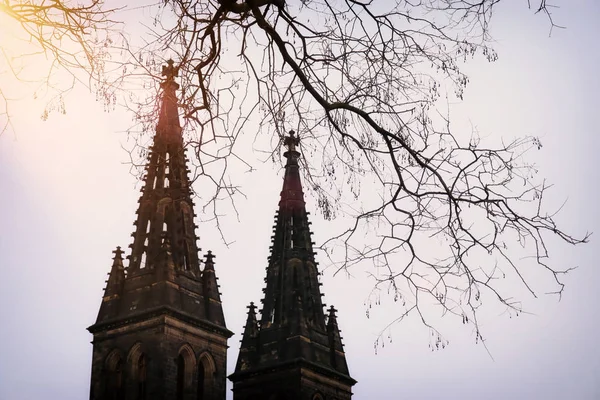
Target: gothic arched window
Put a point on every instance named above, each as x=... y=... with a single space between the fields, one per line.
x=206 y=371
x=180 y=376
x=114 y=383
x=141 y=377
x=186 y=367
x=201 y=381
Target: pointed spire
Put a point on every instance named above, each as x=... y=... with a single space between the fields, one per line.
x=166 y=208
x=247 y=354
x=168 y=121
x=332 y=324
x=164 y=258
x=293 y=327
x=292 y=196
x=113 y=292
x=210 y=289
x=251 y=328
x=209 y=264
x=336 y=348
x=292 y=243
x=116 y=277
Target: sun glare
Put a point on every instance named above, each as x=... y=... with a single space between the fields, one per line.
x=22 y=58
x=11 y=31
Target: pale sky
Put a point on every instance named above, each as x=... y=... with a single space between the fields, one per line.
x=68 y=200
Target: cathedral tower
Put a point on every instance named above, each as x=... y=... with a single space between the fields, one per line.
x=294 y=352
x=160 y=332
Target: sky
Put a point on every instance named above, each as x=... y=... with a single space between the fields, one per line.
x=68 y=199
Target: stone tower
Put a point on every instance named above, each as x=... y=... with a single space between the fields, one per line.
x=294 y=352
x=160 y=332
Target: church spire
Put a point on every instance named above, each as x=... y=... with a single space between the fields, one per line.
x=164 y=245
x=163 y=304
x=292 y=197
x=290 y=288
x=165 y=209
x=293 y=333
x=168 y=121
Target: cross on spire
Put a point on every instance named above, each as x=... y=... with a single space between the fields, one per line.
x=291 y=141
x=169 y=71
x=118 y=253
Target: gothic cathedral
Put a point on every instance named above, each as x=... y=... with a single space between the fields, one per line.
x=160 y=332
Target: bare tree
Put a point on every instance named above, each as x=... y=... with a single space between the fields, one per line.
x=361 y=83
x=69 y=40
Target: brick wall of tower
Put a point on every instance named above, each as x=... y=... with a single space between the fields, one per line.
x=160 y=339
x=295 y=383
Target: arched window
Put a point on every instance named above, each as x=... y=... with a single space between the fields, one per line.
x=186 y=256
x=115 y=385
x=141 y=377
x=180 y=376
x=201 y=381
x=206 y=371
x=167 y=171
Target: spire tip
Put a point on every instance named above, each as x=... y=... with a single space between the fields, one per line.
x=118 y=253
x=291 y=142
x=169 y=71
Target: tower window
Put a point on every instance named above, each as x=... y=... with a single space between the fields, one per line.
x=180 y=377
x=186 y=257
x=167 y=171
x=183 y=222
x=115 y=387
x=166 y=182
x=201 y=383
x=144 y=250
x=141 y=377
x=291 y=232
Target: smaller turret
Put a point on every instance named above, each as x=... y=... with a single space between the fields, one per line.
x=116 y=276
x=210 y=290
x=114 y=287
x=247 y=353
x=336 y=348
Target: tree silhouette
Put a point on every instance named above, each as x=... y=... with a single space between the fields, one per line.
x=443 y=216
x=69 y=40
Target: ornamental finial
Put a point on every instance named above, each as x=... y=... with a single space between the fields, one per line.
x=169 y=71
x=291 y=141
x=118 y=253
